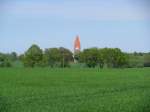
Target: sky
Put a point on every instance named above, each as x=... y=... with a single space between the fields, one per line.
x=54 y=23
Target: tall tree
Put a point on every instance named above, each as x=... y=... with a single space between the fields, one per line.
x=52 y=57
x=33 y=56
x=66 y=57
x=90 y=57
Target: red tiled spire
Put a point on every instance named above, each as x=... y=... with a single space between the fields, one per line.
x=77 y=45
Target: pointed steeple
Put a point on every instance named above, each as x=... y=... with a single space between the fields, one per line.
x=77 y=45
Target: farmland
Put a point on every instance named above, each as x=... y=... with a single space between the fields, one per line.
x=74 y=90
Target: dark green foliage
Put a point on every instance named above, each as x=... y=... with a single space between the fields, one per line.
x=112 y=57
x=7 y=60
x=62 y=57
x=4 y=61
x=57 y=57
x=100 y=58
x=139 y=60
x=13 y=56
x=135 y=61
x=147 y=60
x=66 y=57
x=33 y=56
x=90 y=57
x=52 y=57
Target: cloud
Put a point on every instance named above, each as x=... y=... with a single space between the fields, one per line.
x=80 y=10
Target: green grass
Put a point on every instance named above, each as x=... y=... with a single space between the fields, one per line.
x=74 y=90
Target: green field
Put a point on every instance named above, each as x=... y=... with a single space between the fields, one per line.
x=74 y=90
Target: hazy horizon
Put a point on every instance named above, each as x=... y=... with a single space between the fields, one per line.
x=124 y=24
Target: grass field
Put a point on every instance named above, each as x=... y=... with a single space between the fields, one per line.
x=74 y=90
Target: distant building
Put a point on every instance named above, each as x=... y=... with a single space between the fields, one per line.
x=77 y=45
x=77 y=48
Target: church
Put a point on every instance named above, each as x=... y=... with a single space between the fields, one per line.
x=77 y=45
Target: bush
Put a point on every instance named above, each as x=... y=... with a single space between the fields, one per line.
x=4 y=61
x=147 y=60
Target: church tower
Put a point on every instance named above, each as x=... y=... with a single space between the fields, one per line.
x=77 y=45
x=77 y=48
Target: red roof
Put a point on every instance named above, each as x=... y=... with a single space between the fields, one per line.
x=77 y=45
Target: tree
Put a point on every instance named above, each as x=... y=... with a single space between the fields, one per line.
x=4 y=61
x=135 y=60
x=21 y=57
x=33 y=56
x=100 y=58
x=66 y=57
x=14 y=56
x=112 y=57
x=57 y=57
x=90 y=57
x=52 y=57
x=147 y=60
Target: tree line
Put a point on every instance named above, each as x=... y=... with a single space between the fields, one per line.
x=110 y=57
x=52 y=57
x=62 y=57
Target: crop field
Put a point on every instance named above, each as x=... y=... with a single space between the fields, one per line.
x=74 y=90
